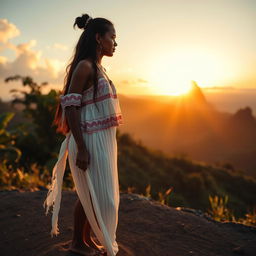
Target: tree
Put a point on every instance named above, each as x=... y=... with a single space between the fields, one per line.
x=40 y=141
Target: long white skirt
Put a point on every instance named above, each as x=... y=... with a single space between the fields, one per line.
x=100 y=180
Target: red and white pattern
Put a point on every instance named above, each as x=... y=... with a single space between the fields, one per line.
x=102 y=124
x=105 y=90
x=107 y=114
x=70 y=99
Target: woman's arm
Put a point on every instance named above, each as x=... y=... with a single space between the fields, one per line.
x=73 y=113
x=73 y=118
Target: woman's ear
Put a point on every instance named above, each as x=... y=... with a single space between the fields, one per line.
x=97 y=38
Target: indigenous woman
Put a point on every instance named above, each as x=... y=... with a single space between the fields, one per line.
x=89 y=114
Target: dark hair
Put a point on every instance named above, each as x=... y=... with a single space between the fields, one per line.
x=86 y=47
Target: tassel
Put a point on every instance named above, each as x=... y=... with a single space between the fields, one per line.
x=53 y=197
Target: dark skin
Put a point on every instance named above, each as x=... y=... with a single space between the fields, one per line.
x=82 y=80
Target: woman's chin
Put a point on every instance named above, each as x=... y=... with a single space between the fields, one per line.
x=111 y=54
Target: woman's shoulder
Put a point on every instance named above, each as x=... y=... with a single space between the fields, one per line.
x=85 y=63
x=80 y=75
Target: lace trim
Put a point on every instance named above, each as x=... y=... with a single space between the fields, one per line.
x=103 y=123
x=71 y=99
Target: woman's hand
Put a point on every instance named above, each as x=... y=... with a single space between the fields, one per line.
x=83 y=159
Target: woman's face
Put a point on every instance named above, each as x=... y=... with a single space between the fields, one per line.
x=108 y=42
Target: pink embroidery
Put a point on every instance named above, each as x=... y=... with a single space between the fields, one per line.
x=70 y=96
x=97 y=125
x=90 y=132
x=71 y=99
x=106 y=90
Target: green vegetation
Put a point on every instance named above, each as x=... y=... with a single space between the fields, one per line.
x=29 y=150
x=220 y=212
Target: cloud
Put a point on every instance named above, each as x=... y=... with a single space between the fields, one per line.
x=229 y=89
x=7 y=31
x=140 y=80
x=3 y=60
x=219 y=88
x=134 y=81
x=27 y=61
x=31 y=62
x=126 y=82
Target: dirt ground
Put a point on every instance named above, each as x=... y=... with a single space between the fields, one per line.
x=145 y=228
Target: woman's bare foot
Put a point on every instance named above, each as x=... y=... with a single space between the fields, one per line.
x=83 y=249
x=92 y=244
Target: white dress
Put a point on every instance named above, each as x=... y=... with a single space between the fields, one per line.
x=100 y=180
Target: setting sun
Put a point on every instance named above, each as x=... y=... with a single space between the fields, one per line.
x=172 y=73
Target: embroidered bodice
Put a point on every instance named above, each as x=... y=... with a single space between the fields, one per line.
x=106 y=114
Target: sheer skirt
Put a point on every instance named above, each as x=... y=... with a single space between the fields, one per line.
x=101 y=181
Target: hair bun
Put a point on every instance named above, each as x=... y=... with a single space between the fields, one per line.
x=81 y=21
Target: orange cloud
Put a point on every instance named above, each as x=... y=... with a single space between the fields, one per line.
x=7 y=31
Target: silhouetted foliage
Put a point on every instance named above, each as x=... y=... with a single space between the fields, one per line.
x=40 y=139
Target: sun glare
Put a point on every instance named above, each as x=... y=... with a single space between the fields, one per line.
x=172 y=73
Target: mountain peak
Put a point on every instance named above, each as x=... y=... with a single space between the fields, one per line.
x=196 y=93
x=244 y=115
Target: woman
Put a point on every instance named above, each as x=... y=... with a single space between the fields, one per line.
x=88 y=114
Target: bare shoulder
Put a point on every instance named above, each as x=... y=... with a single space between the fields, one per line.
x=84 y=68
x=80 y=77
x=85 y=64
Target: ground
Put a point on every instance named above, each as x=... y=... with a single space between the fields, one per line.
x=145 y=228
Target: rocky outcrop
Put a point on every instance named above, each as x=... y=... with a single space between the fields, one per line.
x=145 y=228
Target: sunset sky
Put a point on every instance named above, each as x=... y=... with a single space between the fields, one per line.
x=162 y=45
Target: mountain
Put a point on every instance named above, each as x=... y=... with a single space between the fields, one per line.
x=196 y=96
x=190 y=125
x=187 y=125
x=244 y=118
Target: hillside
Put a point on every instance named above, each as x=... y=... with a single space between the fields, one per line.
x=192 y=126
x=145 y=228
x=192 y=181
x=186 y=125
